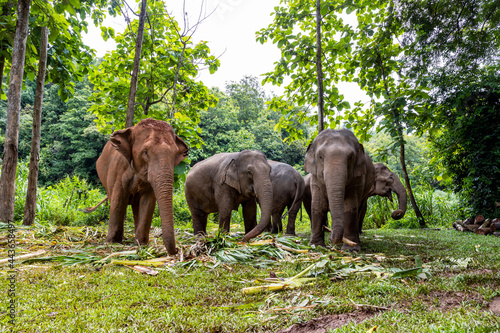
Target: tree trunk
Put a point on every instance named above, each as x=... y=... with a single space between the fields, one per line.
x=135 y=71
x=9 y=165
x=319 y=68
x=6 y=12
x=30 y=206
x=420 y=217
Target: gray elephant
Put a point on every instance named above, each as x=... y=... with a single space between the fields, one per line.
x=342 y=175
x=386 y=183
x=225 y=181
x=288 y=190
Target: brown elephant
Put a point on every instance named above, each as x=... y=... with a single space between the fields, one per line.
x=386 y=182
x=342 y=175
x=136 y=168
x=288 y=190
x=225 y=181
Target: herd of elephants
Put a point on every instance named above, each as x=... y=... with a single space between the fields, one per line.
x=137 y=164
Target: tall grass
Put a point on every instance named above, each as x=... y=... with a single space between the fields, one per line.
x=439 y=209
x=61 y=203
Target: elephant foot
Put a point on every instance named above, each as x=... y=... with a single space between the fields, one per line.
x=115 y=239
x=141 y=241
x=352 y=248
x=317 y=242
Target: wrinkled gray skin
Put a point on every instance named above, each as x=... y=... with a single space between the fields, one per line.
x=288 y=190
x=386 y=183
x=342 y=175
x=137 y=168
x=223 y=182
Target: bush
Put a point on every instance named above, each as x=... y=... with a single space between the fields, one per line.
x=61 y=203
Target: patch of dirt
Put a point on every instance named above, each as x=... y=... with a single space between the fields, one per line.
x=325 y=323
x=446 y=301
x=495 y=306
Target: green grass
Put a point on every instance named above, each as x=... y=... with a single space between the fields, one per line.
x=463 y=277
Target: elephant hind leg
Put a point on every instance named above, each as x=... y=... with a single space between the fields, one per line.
x=277 y=224
x=290 y=226
x=199 y=222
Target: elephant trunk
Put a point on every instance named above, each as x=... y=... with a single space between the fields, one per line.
x=264 y=192
x=162 y=183
x=400 y=191
x=335 y=182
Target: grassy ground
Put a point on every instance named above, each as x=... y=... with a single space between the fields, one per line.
x=458 y=282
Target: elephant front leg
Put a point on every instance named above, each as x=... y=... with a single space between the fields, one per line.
x=351 y=226
x=145 y=206
x=319 y=212
x=249 y=214
x=225 y=210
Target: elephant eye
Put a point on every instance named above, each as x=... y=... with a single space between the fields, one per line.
x=320 y=157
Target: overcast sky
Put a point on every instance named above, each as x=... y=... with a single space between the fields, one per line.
x=230 y=32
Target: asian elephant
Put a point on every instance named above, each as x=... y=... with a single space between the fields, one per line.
x=386 y=182
x=288 y=190
x=136 y=168
x=224 y=181
x=342 y=175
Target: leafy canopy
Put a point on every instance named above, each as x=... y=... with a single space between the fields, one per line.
x=167 y=88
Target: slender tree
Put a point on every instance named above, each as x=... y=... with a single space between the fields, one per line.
x=319 y=67
x=30 y=206
x=135 y=70
x=9 y=164
x=4 y=42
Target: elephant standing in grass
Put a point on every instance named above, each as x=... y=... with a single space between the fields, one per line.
x=136 y=168
x=342 y=175
x=386 y=182
x=225 y=181
x=288 y=190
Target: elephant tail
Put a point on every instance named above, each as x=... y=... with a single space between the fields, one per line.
x=297 y=200
x=91 y=209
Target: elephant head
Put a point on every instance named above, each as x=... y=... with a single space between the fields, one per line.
x=249 y=173
x=153 y=150
x=387 y=182
x=342 y=173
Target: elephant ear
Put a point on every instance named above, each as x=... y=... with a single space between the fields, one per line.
x=310 y=160
x=230 y=175
x=360 y=168
x=120 y=140
x=183 y=150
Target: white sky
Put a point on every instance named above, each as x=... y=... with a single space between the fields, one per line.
x=230 y=32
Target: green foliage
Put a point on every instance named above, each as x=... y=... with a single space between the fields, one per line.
x=167 y=87
x=61 y=203
x=241 y=121
x=469 y=148
x=68 y=59
x=440 y=209
x=70 y=142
